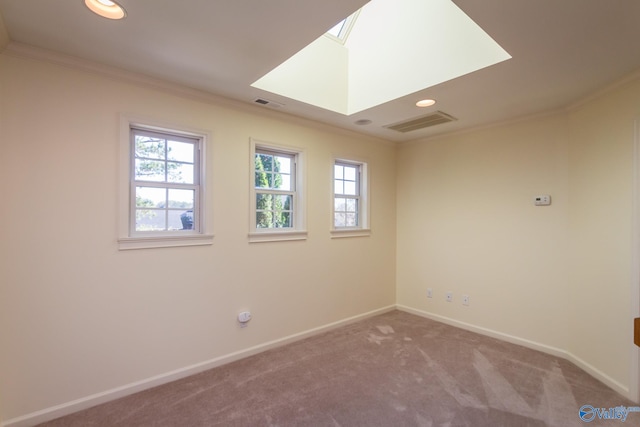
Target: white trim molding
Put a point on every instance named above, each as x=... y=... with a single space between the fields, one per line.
x=126 y=238
x=339 y=233
x=277 y=236
x=298 y=193
x=363 y=229
x=129 y=243
x=590 y=369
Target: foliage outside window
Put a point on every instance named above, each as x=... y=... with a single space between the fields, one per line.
x=276 y=193
x=275 y=185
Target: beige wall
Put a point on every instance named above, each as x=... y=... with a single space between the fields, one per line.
x=600 y=230
x=79 y=317
x=556 y=278
x=467 y=224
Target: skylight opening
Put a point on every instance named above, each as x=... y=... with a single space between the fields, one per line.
x=424 y=43
x=335 y=31
x=341 y=30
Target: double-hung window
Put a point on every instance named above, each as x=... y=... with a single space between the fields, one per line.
x=346 y=183
x=350 y=201
x=275 y=189
x=276 y=196
x=165 y=188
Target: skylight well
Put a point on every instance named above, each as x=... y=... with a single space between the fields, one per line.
x=386 y=50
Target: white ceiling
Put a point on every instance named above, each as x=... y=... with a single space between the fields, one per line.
x=562 y=51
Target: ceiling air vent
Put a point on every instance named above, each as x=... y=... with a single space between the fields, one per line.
x=268 y=103
x=433 y=119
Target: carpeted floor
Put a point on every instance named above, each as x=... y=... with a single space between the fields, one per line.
x=395 y=369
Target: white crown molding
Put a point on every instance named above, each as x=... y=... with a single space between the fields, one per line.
x=31 y=52
x=604 y=90
x=25 y=51
x=558 y=111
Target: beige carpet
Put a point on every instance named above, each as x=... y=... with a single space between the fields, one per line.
x=395 y=369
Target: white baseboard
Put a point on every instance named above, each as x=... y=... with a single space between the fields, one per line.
x=125 y=390
x=591 y=370
x=67 y=408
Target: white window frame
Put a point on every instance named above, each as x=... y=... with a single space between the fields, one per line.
x=298 y=231
x=363 y=228
x=129 y=238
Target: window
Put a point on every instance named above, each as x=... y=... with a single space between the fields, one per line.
x=346 y=184
x=276 y=196
x=165 y=188
x=350 y=202
x=275 y=189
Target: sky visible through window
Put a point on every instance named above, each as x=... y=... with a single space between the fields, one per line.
x=341 y=30
x=335 y=31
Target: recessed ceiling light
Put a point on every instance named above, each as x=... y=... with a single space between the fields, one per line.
x=106 y=8
x=363 y=122
x=425 y=103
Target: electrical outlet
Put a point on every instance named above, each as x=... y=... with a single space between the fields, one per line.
x=449 y=296
x=429 y=293
x=465 y=299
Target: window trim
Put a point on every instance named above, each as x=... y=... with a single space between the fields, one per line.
x=128 y=238
x=363 y=228
x=298 y=231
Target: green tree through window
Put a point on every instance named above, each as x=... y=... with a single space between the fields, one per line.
x=273 y=183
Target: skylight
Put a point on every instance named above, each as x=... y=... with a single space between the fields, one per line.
x=393 y=50
x=341 y=30
x=335 y=31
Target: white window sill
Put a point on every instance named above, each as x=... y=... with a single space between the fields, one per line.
x=149 y=242
x=340 y=233
x=277 y=236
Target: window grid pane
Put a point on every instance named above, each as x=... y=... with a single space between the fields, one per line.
x=273 y=171
x=346 y=179
x=346 y=183
x=274 y=210
x=274 y=176
x=165 y=182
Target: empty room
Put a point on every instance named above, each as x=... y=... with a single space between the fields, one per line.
x=340 y=213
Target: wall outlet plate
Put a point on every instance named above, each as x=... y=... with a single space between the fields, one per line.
x=429 y=293
x=449 y=296
x=542 y=200
x=465 y=299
